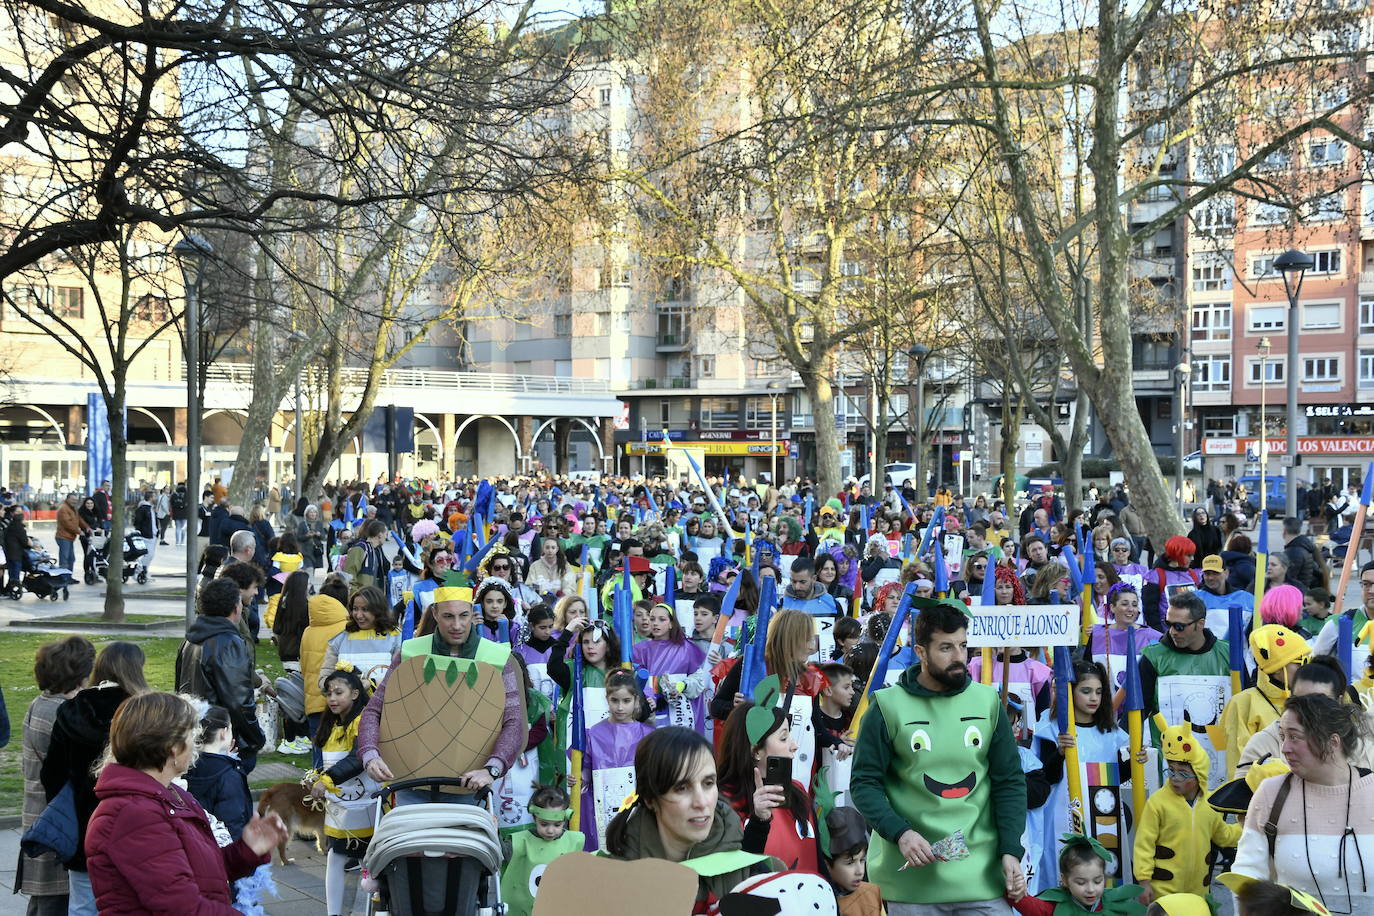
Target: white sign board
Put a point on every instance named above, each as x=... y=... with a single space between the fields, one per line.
x=1024 y=625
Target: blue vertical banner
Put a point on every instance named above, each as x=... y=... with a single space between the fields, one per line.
x=99 y=465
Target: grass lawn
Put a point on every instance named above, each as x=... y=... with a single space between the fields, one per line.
x=17 y=649
x=97 y=617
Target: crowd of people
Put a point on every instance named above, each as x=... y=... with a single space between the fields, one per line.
x=718 y=669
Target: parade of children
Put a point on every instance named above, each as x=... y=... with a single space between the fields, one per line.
x=834 y=701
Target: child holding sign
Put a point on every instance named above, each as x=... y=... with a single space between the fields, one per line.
x=608 y=766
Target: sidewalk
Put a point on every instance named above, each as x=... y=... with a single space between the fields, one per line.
x=300 y=886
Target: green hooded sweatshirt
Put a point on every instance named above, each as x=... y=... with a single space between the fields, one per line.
x=936 y=763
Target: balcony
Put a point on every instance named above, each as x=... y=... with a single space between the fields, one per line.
x=671 y=342
x=1366 y=282
x=675 y=382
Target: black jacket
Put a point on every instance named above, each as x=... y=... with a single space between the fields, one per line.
x=80 y=732
x=215 y=664
x=1302 y=562
x=221 y=786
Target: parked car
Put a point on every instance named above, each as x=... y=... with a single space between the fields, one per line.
x=895 y=474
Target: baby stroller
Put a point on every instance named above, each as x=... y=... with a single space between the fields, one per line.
x=45 y=578
x=134 y=548
x=439 y=859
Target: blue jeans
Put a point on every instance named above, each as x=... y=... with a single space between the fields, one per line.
x=312 y=724
x=80 y=897
x=66 y=553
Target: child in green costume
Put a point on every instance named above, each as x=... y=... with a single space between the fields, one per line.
x=532 y=849
x=1083 y=885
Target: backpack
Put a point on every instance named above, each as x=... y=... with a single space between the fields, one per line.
x=179 y=502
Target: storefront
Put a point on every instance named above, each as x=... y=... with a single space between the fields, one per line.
x=746 y=452
x=1338 y=459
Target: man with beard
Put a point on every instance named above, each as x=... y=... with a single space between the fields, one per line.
x=936 y=757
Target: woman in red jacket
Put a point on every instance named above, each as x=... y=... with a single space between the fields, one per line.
x=149 y=848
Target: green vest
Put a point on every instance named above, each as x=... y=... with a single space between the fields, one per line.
x=1116 y=901
x=1169 y=663
x=488 y=652
x=529 y=856
x=938 y=781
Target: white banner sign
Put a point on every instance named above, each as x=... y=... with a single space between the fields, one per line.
x=1024 y=625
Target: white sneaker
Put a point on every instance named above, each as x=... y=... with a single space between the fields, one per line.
x=299 y=746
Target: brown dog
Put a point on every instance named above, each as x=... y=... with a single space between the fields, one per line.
x=288 y=801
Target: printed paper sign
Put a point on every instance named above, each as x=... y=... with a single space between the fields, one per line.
x=825 y=640
x=686 y=614
x=1198 y=699
x=610 y=788
x=785 y=565
x=1025 y=625
x=954 y=554
x=706 y=553
x=804 y=734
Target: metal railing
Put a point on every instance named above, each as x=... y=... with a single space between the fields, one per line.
x=429 y=379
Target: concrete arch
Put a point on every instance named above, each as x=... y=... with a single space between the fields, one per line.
x=438 y=438
x=458 y=433
x=156 y=419
x=596 y=434
x=52 y=421
x=216 y=425
x=519 y=455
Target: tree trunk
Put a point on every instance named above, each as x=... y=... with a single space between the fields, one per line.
x=119 y=485
x=1011 y=442
x=878 y=463
x=269 y=387
x=817 y=381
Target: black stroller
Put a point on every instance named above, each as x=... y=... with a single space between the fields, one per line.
x=99 y=559
x=439 y=859
x=43 y=577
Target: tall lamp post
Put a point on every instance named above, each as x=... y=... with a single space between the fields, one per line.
x=1293 y=265
x=1264 y=348
x=1184 y=370
x=918 y=354
x=774 y=391
x=192 y=252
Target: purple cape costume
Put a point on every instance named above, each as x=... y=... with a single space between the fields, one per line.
x=662 y=657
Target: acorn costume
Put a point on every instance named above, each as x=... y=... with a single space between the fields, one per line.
x=1176 y=842
x=529 y=856
x=1274 y=647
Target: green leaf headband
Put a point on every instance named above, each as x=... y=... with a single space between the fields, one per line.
x=550 y=814
x=1078 y=839
x=758 y=722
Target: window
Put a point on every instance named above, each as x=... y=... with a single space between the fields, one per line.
x=719 y=413
x=68 y=301
x=1211 y=272
x=1217 y=215
x=601 y=324
x=1155 y=133
x=620 y=275
x=1321 y=369
x=562 y=324
x=622 y=322
x=1366 y=368
x=1267 y=318
x=1326 y=262
x=1321 y=316
x=1273 y=371
x=562 y=368
x=150 y=308
x=1325 y=152
x=804 y=280
x=665 y=414
x=1212 y=322
x=706 y=366
x=1280 y=160
x=1264 y=214
x=605 y=96
x=1366 y=316
x=1326 y=207
x=1212 y=373
x=1263 y=266
x=758 y=412
x=1224 y=425
x=1214 y=162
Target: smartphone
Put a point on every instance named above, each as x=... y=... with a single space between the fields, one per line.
x=779 y=771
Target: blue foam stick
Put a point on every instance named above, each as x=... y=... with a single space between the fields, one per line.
x=1063 y=685
x=670 y=585
x=937 y=523
x=941 y=570
x=1075 y=575
x=1235 y=639
x=1135 y=695
x=810 y=504
x=990 y=584
x=1367 y=491
x=890 y=640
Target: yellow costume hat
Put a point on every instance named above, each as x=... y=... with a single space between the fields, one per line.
x=1276 y=646
x=1300 y=899
x=1180 y=743
x=452 y=593
x=1185 y=905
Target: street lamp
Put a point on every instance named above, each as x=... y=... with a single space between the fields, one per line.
x=1184 y=371
x=1264 y=348
x=918 y=354
x=1292 y=264
x=191 y=253
x=773 y=393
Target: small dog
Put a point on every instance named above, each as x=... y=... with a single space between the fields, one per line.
x=289 y=800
